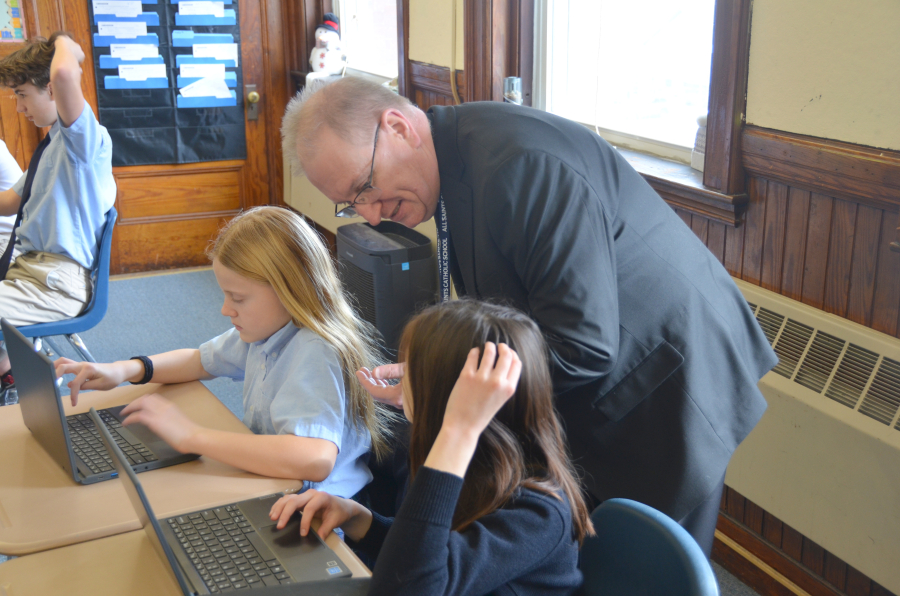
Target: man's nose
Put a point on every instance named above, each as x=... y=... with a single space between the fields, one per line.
x=370 y=212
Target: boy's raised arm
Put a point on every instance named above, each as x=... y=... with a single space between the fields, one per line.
x=65 y=78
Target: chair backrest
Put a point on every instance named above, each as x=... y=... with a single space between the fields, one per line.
x=100 y=274
x=640 y=551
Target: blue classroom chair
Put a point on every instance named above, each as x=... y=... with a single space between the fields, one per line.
x=96 y=308
x=639 y=551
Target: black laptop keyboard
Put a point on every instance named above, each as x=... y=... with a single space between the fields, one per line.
x=227 y=551
x=88 y=446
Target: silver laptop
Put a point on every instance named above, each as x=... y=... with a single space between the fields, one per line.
x=236 y=547
x=73 y=441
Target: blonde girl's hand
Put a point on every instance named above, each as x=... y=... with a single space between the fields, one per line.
x=89 y=375
x=482 y=388
x=164 y=418
x=375 y=381
x=333 y=511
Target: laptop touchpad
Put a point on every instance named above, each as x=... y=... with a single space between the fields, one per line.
x=257 y=510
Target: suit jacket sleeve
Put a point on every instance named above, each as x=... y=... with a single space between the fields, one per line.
x=549 y=223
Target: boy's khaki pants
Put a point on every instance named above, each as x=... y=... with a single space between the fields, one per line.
x=41 y=287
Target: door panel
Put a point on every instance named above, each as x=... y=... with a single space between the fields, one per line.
x=214 y=189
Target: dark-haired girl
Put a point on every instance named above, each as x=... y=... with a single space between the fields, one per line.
x=493 y=505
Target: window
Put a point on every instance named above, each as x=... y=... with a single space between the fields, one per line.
x=638 y=71
x=369 y=35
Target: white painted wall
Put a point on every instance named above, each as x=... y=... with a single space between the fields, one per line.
x=827 y=68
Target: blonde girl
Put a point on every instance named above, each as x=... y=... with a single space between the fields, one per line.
x=295 y=337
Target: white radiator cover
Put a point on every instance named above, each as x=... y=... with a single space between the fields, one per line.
x=829 y=471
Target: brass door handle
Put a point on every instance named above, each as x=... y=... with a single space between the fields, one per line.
x=252 y=102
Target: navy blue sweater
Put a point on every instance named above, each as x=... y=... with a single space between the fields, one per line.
x=526 y=547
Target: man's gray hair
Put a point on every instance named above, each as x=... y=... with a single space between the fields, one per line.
x=350 y=107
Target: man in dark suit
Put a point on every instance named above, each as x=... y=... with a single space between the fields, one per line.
x=654 y=352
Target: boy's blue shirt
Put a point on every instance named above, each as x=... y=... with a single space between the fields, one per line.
x=293 y=384
x=72 y=191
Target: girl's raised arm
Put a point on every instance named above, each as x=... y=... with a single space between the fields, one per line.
x=477 y=396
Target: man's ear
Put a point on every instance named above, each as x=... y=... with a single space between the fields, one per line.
x=50 y=91
x=400 y=124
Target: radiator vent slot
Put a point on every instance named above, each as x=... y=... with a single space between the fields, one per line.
x=359 y=284
x=790 y=347
x=770 y=323
x=852 y=376
x=883 y=397
x=819 y=362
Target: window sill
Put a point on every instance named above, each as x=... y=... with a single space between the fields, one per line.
x=682 y=187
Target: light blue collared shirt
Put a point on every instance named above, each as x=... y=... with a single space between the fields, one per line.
x=73 y=189
x=293 y=385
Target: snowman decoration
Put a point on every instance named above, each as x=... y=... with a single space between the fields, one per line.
x=328 y=56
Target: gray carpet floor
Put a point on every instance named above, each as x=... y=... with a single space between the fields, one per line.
x=160 y=312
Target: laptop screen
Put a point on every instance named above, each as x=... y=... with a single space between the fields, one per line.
x=41 y=406
x=141 y=505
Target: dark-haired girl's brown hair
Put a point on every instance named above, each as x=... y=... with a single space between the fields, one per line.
x=523 y=446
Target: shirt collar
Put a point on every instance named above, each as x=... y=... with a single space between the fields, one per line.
x=274 y=344
x=444 y=131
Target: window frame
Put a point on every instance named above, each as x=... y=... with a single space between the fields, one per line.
x=338 y=9
x=506 y=33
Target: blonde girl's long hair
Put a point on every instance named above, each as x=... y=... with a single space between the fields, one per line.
x=277 y=247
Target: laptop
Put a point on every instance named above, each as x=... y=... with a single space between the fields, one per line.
x=73 y=441
x=234 y=547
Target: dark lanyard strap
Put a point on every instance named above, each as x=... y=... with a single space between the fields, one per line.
x=443 y=252
x=26 y=194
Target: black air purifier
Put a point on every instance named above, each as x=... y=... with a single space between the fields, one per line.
x=390 y=272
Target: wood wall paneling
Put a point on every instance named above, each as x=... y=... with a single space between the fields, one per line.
x=865 y=175
x=430 y=85
x=715 y=241
x=754 y=231
x=817 y=237
x=795 y=243
x=840 y=255
x=867 y=238
x=773 y=236
x=773 y=558
x=886 y=300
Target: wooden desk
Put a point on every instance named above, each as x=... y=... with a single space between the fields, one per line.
x=121 y=564
x=41 y=507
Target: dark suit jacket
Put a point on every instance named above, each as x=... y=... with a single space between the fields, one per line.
x=654 y=352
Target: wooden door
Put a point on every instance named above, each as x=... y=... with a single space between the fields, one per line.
x=168 y=213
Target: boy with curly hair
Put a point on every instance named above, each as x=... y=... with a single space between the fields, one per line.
x=62 y=200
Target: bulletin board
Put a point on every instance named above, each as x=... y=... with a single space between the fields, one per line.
x=169 y=80
x=11 y=26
